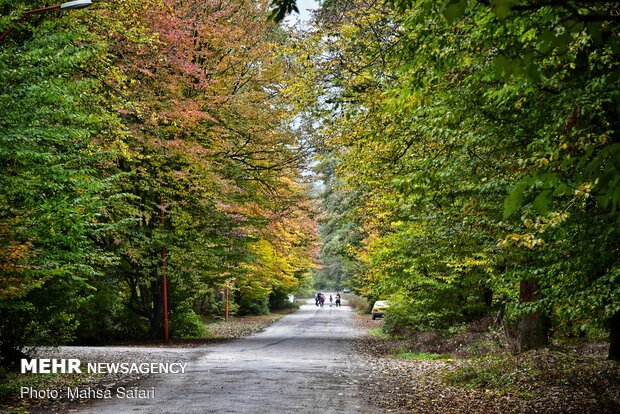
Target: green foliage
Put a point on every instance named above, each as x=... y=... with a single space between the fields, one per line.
x=253 y=306
x=103 y=318
x=279 y=300
x=184 y=323
x=470 y=147
x=51 y=181
x=282 y=8
x=338 y=230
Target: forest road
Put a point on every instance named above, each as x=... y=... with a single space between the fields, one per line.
x=304 y=363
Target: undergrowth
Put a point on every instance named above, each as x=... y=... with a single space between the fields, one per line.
x=404 y=354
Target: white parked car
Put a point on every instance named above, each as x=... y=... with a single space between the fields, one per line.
x=379 y=308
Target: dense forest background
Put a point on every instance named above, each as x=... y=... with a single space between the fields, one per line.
x=468 y=155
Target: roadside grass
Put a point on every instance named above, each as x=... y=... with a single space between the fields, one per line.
x=500 y=373
x=476 y=360
x=427 y=356
x=379 y=333
x=535 y=372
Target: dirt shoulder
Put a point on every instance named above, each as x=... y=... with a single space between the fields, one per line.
x=469 y=372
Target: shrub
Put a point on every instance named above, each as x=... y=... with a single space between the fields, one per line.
x=184 y=323
x=257 y=306
x=279 y=300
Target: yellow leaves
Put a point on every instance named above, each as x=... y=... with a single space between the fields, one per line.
x=125 y=151
x=552 y=219
x=528 y=240
x=272 y=266
x=466 y=263
x=347 y=30
x=531 y=239
x=415 y=99
x=13 y=255
x=284 y=250
x=584 y=190
x=476 y=262
x=467 y=60
x=13 y=262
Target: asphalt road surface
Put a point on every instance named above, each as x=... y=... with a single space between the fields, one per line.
x=304 y=363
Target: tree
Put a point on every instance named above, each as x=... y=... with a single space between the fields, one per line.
x=207 y=150
x=438 y=108
x=52 y=178
x=160 y=139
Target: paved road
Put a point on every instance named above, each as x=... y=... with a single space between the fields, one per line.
x=303 y=364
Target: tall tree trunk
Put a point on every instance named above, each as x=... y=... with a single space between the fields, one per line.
x=533 y=329
x=614 y=337
x=157 y=311
x=533 y=332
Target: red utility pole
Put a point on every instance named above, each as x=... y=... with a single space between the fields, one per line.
x=226 y=299
x=163 y=269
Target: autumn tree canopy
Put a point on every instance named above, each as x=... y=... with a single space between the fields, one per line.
x=138 y=132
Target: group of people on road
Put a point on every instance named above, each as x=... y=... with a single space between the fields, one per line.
x=319 y=299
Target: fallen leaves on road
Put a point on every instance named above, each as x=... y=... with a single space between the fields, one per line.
x=247 y=325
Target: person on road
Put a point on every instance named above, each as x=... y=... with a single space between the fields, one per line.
x=330 y=300
x=337 y=300
x=317 y=298
x=321 y=299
